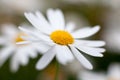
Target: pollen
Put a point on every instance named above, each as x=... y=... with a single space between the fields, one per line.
x=18 y=37
x=62 y=37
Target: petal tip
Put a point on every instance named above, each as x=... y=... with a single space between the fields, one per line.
x=97 y=27
x=91 y=68
x=38 y=67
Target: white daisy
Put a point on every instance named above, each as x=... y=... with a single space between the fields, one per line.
x=65 y=43
x=113 y=73
x=19 y=53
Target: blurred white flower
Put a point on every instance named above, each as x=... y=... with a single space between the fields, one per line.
x=89 y=75
x=19 y=53
x=65 y=43
x=112 y=31
x=112 y=74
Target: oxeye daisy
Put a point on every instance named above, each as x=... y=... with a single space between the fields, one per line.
x=19 y=53
x=66 y=44
x=113 y=73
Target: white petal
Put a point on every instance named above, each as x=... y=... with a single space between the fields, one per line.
x=38 y=23
x=114 y=71
x=81 y=58
x=85 y=32
x=91 y=75
x=46 y=59
x=31 y=33
x=44 y=37
x=41 y=47
x=35 y=35
x=90 y=43
x=2 y=40
x=51 y=18
x=31 y=51
x=42 y=19
x=91 y=51
x=14 y=66
x=56 y=18
x=5 y=53
x=23 y=42
x=23 y=56
x=19 y=58
x=63 y=54
x=70 y=27
x=28 y=38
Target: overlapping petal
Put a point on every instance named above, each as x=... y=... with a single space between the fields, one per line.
x=38 y=22
x=5 y=53
x=56 y=18
x=46 y=59
x=63 y=54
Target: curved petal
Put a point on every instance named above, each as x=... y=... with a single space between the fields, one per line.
x=46 y=59
x=85 y=32
x=31 y=33
x=90 y=43
x=81 y=58
x=42 y=48
x=19 y=58
x=31 y=51
x=14 y=66
x=63 y=54
x=56 y=18
x=23 y=56
x=42 y=19
x=38 y=23
x=34 y=35
x=5 y=53
x=91 y=51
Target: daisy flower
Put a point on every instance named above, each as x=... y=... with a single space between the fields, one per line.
x=113 y=73
x=19 y=53
x=66 y=44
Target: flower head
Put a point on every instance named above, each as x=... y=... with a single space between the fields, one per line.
x=65 y=43
x=19 y=53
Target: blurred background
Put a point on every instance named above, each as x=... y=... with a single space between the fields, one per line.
x=105 y=13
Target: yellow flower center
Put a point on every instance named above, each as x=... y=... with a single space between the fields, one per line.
x=62 y=37
x=18 y=37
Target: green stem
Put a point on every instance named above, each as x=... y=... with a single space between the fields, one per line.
x=57 y=71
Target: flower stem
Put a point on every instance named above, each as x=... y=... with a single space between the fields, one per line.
x=57 y=71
